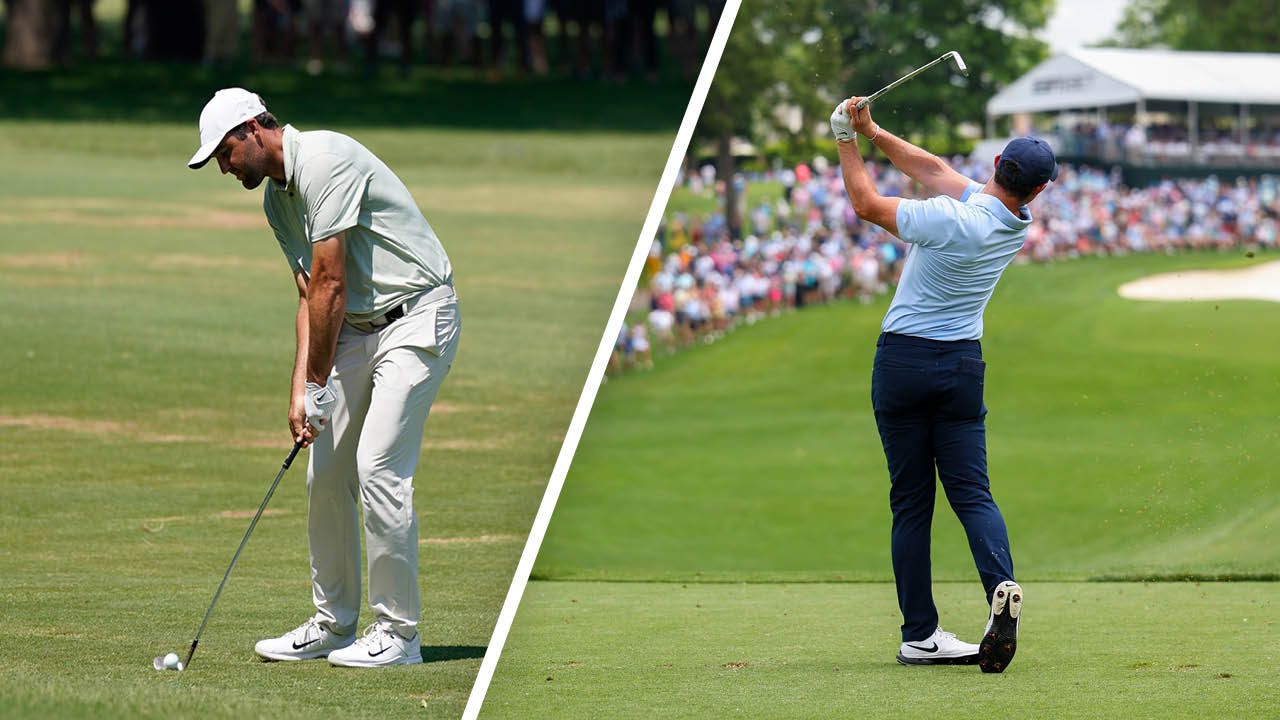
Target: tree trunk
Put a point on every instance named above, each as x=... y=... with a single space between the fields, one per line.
x=725 y=170
x=28 y=43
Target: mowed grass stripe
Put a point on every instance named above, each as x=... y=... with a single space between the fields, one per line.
x=1126 y=438
x=146 y=369
x=1086 y=650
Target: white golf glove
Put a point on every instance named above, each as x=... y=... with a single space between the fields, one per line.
x=840 y=126
x=319 y=403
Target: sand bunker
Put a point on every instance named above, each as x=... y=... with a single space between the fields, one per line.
x=1260 y=282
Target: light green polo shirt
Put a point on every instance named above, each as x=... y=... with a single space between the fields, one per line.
x=332 y=184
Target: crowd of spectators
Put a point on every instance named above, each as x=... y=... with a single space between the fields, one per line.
x=613 y=39
x=805 y=245
x=1166 y=144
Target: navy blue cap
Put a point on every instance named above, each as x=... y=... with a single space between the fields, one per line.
x=1034 y=157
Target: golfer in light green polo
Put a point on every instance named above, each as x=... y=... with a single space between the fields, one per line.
x=377 y=331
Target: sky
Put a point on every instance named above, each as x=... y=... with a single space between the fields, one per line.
x=1075 y=23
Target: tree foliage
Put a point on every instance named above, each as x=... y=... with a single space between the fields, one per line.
x=796 y=58
x=1200 y=25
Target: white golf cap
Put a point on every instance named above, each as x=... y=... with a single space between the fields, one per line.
x=228 y=108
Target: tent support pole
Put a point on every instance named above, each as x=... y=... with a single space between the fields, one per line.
x=1193 y=130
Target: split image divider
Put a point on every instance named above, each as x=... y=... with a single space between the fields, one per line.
x=595 y=377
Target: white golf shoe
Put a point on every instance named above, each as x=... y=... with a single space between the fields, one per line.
x=940 y=648
x=1000 y=639
x=380 y=646
x=308 y=641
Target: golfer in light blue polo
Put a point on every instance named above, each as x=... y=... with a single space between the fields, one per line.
x=926 y=385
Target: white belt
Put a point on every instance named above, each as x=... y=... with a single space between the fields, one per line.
x=437 y=294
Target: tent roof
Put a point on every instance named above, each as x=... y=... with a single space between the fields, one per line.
x=1098 y=77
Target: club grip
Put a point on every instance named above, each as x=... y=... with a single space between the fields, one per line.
x=292 y=454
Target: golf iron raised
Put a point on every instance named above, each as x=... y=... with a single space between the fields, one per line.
x=876 y=95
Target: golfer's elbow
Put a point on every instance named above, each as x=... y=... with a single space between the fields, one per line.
x=864 y=203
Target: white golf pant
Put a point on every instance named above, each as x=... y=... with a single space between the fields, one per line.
x=385 y=382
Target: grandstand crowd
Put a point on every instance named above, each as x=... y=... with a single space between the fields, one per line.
x=805 y=245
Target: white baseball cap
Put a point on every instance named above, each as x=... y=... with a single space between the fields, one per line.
x=228 y=108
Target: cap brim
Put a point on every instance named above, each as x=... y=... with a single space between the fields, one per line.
x=1053 y=176
x=201 y=157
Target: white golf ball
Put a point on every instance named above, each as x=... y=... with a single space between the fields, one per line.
x=171 y=661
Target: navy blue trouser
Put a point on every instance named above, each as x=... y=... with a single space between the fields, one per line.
x=927 y=396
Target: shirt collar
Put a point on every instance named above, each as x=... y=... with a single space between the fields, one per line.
x=1001 y=211
x=290 y=147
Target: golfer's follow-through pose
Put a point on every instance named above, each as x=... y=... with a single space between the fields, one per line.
x=377 y=330
x=927 y=381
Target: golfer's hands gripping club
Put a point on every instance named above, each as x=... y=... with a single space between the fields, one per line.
x=860 y=116
x=310 y=414
x=840 y=126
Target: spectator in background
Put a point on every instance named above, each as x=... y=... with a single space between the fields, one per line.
x=273 y=32
x=640 y=356
x=221 y=43
x=580 y=19
x=386 y=14
x=682 y=37
x=326 y=30
x=535 y=46
x=503 y=14
x=452 y=32
x=81 y=11
x=617 y=33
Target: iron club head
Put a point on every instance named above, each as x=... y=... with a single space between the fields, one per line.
x=959 y=62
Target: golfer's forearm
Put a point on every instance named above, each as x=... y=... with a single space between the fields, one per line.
x=916 y=163
x=857 y=182
x=326 y=305
x=302 y=329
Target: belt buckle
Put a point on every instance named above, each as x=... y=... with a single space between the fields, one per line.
x=387 y=318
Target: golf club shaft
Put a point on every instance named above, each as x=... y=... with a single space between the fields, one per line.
x=252 y=523
x=875 y=95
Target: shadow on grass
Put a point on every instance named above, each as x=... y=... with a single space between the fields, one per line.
x=131 y=91
x=445 y=653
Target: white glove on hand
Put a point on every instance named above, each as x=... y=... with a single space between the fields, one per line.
x=319 y=403
x=840 y=126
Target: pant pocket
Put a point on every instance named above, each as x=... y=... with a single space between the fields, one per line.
x=973 y=367
x=967 y=401
x=444 y=323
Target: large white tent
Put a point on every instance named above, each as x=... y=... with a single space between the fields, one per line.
x=1092 y=79
x=1101 y=77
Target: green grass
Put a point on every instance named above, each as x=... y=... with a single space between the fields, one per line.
x=705 y=202
x=147 y=342
x=1125 y=439
x=1087 y=651
x=725 y=503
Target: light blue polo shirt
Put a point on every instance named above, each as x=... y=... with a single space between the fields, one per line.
x=961 y=247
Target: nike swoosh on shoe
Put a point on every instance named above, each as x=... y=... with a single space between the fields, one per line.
x=924 y=649
x=296 y=646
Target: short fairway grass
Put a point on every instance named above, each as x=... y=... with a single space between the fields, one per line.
x=1127 y=441
x=145 y=353
x=703 y=650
